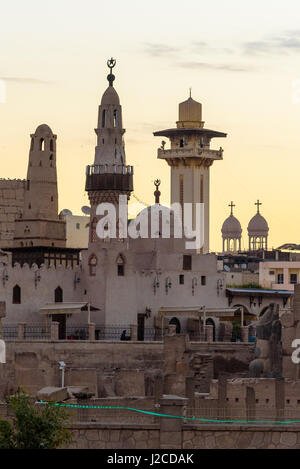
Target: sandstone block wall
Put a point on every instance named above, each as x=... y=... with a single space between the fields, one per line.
x=11 y=204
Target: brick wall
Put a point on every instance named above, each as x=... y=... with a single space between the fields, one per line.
x=11 y=203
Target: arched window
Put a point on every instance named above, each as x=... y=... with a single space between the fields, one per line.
x=16 y=295
x=120 y=265
x=52 y=198
x=103 y=118
x=93 y=235
x=42 y=144
x=29 y=206
x=51 y=145
x=58 y=295
x=116 y=123
x=93 y=261
x=51 y=157
x=176 y=322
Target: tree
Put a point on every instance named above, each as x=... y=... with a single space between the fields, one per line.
x=33 y=427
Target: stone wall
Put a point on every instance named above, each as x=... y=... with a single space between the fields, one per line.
x=99 y=436
x=11 y=203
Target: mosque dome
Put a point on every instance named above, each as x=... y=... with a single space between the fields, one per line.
x=258 y=226
x=231 y=227
x=110 y=96
x=43 y=129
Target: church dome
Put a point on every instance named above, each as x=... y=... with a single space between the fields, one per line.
x=258 y=226
x=110 y=96
x=231 y=227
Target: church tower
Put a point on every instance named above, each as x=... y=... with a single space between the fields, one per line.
x=40 y=224
x=190 y=158
x=108 y=177
x=231 y=233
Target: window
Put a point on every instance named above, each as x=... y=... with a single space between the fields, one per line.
x=52 y=198
x=280 y=278
x=103 y=118
x=181 y=193
x=181 y=279
x=181 y=143
x=42 y=144
x=203 y=280
x=120 y=266
x=29 y=206
x=28 y=184
x=58 y=295
x=293 y=278
x=51 y=145
x=93 y=261
x=116 y=123
x=187 y=262
x=77 y=226
x=271 y=272
x=16 y=295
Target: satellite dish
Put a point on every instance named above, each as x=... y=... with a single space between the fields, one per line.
x=86 y=210
x=226 y=268
x=66 y=211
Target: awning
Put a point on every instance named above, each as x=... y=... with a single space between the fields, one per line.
x=66 y=308
x=197 y=311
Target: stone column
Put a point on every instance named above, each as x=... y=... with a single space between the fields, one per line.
x=21 y=331
x=54 y=330
x=245 y=334
x=170 y=427
x=158 y=388
x=133 y=332
x=209 y=333
x=92 y=329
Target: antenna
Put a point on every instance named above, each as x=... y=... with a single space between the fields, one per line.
x=86 y=210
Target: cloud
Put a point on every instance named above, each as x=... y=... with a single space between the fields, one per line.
x=159 y=50
x=289 y=41
x=30 y=81
x=209 y=66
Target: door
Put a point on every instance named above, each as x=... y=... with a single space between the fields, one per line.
x=141 y=326
x=61 y=319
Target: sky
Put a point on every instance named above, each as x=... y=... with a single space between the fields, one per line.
x=242 y=60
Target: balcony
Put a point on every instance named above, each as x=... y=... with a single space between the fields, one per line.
x=190 y=152
x=109 y=177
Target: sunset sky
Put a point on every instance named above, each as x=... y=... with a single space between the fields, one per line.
x=242 y=60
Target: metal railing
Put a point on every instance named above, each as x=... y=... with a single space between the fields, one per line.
x=37 y=332
x=77 y=332
x=231 y=414
x=113 y=332
x=10 y=331
x=108 y=169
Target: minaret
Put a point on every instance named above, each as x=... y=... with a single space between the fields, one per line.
x=108 y=177
x=190 y=158
x=40 y=224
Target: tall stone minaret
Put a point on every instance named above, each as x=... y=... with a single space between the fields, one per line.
x=108 y=177
x=40 y=224
x=190 y=158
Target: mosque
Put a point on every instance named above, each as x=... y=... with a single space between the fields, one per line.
x=121 y=280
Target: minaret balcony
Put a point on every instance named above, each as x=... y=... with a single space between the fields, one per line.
x=109 y=177
x=190 y=152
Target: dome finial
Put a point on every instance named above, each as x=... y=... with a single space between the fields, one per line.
x=190 y=91
x=111 y=77
x=258 y=203
x=231 y=205
x=157 y=192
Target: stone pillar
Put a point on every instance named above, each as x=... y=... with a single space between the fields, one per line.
x=279 y=398
x=133 y=332
x=245 y=334
x=54 y=330
x=209 y=333
x=21 y=331
x=92 y=330
x=158 y=388
x=250 y=403
x=170 y=427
